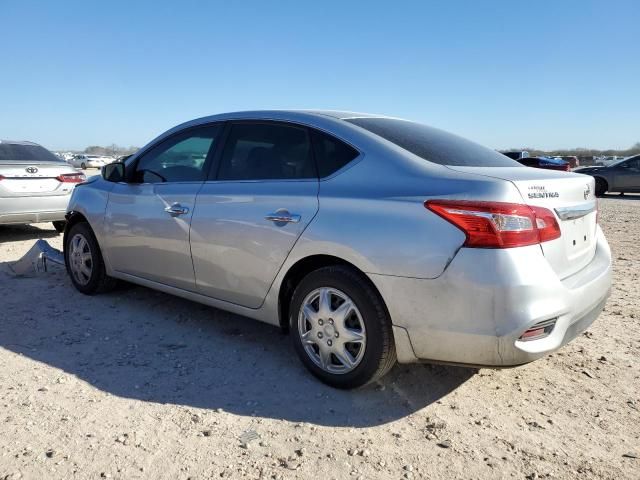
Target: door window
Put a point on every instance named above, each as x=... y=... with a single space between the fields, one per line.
x=266 y=151
x=633 y=164
x=181 y=158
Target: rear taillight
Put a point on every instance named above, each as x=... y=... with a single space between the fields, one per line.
x=71 y=177
x=2 y=177
x=498 y=224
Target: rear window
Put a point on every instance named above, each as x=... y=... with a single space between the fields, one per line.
x=16 y=151
x=432 y=144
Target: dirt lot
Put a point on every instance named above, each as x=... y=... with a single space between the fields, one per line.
x=139 y=384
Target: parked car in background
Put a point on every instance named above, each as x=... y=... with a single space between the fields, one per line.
x=122 y=158
x=516 y=154
x=547 y=163
x=35 y=185
x=621 y=176
x=369 y=238
x=571 y=159
x=85 y=161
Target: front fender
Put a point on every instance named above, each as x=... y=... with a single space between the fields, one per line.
x=89 y=200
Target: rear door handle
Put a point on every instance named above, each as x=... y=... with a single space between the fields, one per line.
x=282 y=216
x=176 y=209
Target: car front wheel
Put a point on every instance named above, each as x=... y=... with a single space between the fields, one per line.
x=601 y=186
x=340 y=328
x=84 y=262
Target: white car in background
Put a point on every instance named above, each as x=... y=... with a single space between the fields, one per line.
x=89 y=161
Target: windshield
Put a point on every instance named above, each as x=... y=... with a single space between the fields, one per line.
x=434 y=145
x=17 y=151
x=618 y=162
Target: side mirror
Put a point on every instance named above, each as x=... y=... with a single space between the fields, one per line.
x=113 y=172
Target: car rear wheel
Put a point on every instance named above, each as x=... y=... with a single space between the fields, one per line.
x=84 y=262
x=59 y=226
x=601 y=186
x=340 y=328
x=83 y=166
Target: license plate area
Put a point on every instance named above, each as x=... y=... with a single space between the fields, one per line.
x=578 y=236
x=32 y=185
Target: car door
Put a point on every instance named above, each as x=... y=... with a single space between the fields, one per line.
x=262 y=194
x=627 y=175
x=147 y=219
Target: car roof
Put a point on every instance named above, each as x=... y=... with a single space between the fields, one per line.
x=341 y=114
x=18 y=142
x=284 y=115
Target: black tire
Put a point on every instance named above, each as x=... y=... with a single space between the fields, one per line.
x=601 y=187
x=379 y=350
x=83 y=166
x=59 y=225
x=98 y=281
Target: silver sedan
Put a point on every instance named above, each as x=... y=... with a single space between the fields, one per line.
x=35 y=185
x=370 y=239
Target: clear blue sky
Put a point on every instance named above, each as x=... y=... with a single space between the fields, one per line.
x=548 y=74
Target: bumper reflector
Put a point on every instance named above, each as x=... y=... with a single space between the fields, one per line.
x=539 y=330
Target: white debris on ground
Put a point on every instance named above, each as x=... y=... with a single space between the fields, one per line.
x=139 y=384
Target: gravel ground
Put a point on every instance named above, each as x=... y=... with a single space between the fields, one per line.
x=139 y=384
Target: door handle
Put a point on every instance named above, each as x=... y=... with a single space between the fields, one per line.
x=176 y=209
x=282 y=216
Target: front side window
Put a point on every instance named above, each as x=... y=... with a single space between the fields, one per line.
x=632 y=163
x=181 y=158
x=266 y=151
x=331 y=154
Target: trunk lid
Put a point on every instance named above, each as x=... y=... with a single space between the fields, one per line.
x=570 y=196
x=27 y=178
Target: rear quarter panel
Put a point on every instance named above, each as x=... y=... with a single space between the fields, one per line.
x=373 y=216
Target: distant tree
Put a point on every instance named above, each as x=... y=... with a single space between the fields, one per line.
x=94 y=150
x=111 y=150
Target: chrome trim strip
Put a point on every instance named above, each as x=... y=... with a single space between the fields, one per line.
x=576 y=211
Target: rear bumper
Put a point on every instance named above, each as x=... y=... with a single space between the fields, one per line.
x=50 y=208
x=476 y=311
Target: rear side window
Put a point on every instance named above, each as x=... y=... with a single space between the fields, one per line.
x=432 y=144
x=331 y=154
x=266 y=151
x=17 y=151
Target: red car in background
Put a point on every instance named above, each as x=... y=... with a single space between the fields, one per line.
x=572 y=159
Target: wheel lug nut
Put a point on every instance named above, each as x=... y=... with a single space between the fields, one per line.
x=337 y=334
x=320 y=322
x=329 y=342
x=319 y=334
x=331 y=321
